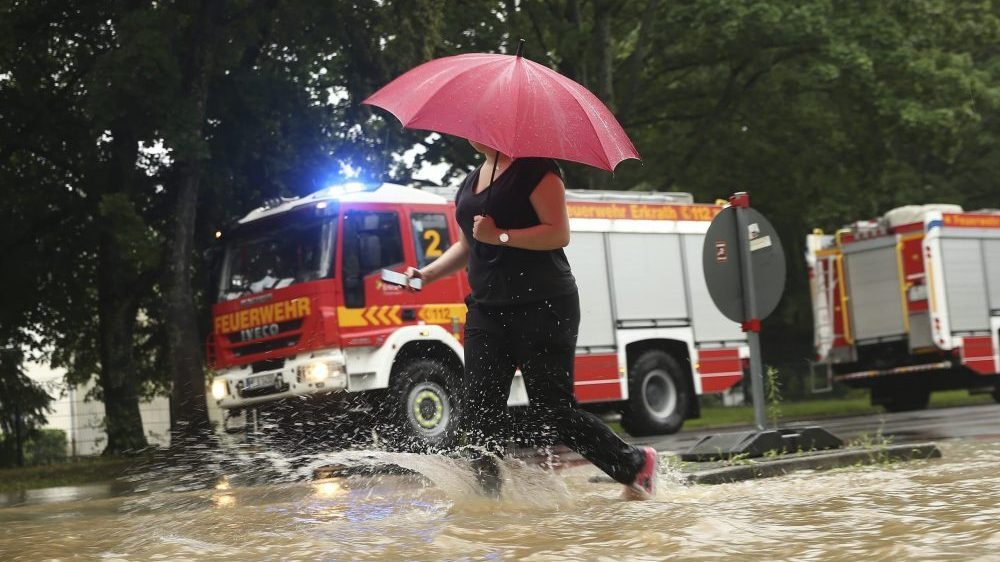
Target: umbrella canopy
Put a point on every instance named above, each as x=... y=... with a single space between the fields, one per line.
x=508 y=103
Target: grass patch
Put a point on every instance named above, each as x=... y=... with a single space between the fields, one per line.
x=83 y=471
x=811 y=409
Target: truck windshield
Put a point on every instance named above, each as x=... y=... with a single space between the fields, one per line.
x=272 y=258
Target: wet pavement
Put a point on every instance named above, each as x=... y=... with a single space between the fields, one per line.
x=925 y=510
x=965 y=422
x=267 y=507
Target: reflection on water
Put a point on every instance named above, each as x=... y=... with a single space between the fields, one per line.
x=943 y=509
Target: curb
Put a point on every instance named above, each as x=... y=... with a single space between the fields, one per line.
x=822 y=460
x=719 y=472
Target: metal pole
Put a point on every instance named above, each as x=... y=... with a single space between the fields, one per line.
x=18 y=441
x=751 y=325
x=72 y=420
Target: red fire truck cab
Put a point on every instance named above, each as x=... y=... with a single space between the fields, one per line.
x=303 y=313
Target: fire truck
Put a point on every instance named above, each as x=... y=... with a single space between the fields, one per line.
x=909 y=303
x=303 y=316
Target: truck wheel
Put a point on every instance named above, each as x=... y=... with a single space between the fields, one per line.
x=906 y=399
x=426 y=409
x=658 y=396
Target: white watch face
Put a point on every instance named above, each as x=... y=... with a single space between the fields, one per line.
x=504 y=237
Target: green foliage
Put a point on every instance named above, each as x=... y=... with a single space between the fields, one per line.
x=772 y=390
x=23 y=405
x=738 y=459
x=824 y=111
x=139 y=242
x=45 y=447
x=80 y=471
x=857 y=404
x=870 y=441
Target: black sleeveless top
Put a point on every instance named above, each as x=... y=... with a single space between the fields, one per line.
x=503 y=274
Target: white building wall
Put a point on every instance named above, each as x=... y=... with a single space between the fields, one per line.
x=83 y=419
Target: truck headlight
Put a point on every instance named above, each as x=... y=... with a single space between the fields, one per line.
x=323 y=374
x=316 y=372
x=220 y=388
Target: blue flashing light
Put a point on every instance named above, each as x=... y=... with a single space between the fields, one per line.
x=339 y=189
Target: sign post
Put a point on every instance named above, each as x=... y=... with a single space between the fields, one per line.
x=745 y=273
x=752 y=324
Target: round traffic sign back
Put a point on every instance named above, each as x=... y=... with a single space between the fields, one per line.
x=722 y=262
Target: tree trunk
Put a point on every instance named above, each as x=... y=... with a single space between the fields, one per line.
x=636 y=60
x=18 y=442
x=117 y=302
x=575 y=66
x=604 y=58
x=190 y=411
x=117 y=310
x=186 y=364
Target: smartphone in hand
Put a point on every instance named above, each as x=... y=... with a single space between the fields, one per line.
x=396 y=278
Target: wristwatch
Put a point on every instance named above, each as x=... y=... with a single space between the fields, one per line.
x=504 y=237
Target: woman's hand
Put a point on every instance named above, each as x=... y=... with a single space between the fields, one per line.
x=549 y=202
x=485 y=230
x=455 y=258
x=414 y=273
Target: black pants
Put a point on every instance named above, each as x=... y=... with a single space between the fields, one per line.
x=540 y=338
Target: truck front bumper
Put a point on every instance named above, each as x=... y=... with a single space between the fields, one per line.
x=307 y=374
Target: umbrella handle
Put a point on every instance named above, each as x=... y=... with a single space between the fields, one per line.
x=489 y=188
x=486 y=204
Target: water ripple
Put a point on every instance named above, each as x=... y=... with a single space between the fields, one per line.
x=269 y=508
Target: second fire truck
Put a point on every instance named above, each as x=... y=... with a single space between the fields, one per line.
x=909 y=303
x=303 y=313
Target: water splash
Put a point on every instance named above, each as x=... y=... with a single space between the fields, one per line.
x=944 y=509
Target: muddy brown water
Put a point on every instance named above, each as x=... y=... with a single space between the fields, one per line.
x=947 y=509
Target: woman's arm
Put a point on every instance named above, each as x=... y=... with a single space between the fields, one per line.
x=453 y=259
x=549 y=201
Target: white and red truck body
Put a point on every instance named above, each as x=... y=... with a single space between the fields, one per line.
x=329 y=325
x=909 y=300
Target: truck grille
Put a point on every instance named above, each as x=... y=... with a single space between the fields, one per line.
x=288 y=335
x=267 y=365
x=236 y=338
x=265 y=346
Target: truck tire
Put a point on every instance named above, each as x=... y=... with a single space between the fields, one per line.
x=425 y=410
x=658 y=395
x=906 y=399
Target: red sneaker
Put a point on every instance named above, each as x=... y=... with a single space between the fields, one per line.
x=644 y=485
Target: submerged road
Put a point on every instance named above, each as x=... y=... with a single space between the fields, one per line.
x=964 y=422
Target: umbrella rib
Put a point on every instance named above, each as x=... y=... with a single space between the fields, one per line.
x=600 y=139
x=420 y=112
x=460 y=102
x=514 y=144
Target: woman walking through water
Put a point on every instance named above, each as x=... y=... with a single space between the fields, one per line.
x=524 y=312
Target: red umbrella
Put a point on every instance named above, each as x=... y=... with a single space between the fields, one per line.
x=508 y=103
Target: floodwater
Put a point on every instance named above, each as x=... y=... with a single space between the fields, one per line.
x=946 y=509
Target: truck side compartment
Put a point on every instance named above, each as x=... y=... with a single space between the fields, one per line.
x=922 y=292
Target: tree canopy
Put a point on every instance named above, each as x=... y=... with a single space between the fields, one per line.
x=130 y=132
